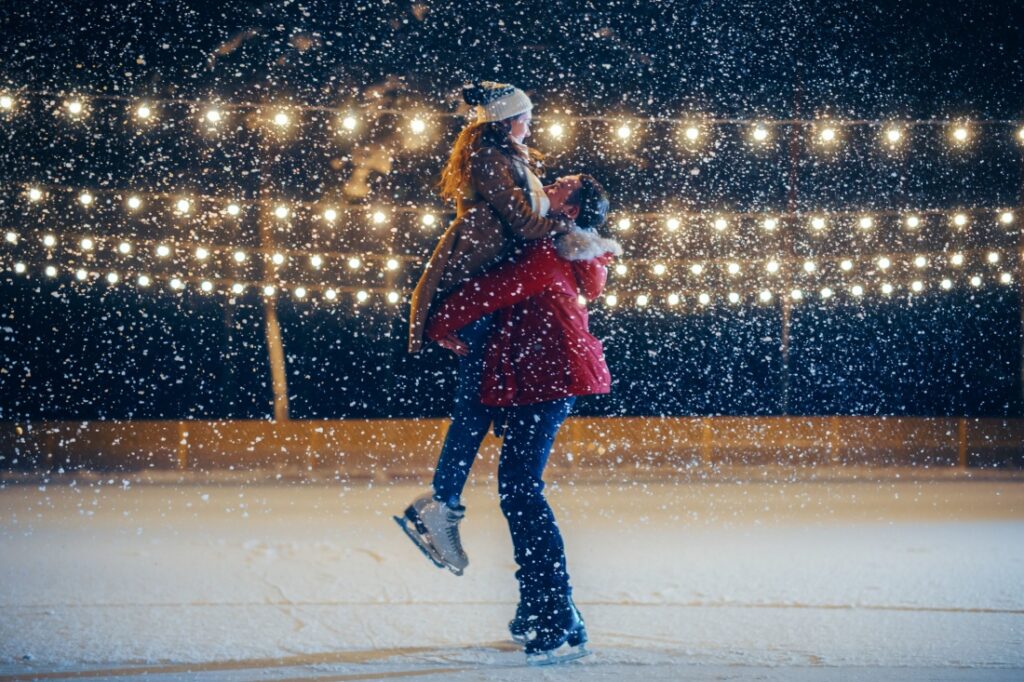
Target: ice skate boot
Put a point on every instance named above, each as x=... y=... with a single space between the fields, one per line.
x=559 y=626
x=433 y=526
x=519 y=626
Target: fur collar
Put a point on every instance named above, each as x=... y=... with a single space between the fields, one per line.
x=580 y=244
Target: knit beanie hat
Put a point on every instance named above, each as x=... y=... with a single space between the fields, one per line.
x=496 y=101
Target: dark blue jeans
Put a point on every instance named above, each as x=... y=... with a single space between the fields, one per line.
x=470 y=419
x=539 y=552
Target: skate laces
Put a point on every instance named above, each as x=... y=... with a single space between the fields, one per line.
x=453 y=531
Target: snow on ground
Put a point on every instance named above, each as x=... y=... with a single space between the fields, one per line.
x=910 y=576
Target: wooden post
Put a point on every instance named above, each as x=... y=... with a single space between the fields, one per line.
x=182 y=445
x=962 y=442
x=705 y=440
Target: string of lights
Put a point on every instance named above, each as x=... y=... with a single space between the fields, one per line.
x=692 y=128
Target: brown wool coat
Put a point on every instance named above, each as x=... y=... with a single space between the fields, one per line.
x=494 y=213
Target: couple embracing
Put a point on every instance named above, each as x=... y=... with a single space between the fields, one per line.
x=506 y=290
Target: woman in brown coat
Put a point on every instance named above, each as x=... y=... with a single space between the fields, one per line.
x=500 y=203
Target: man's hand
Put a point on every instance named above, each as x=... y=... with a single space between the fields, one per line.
x=454 y=344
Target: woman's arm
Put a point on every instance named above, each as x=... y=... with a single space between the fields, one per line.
x=501 y=287
x=492 y=174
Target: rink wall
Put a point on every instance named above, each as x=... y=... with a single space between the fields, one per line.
x=397 y=448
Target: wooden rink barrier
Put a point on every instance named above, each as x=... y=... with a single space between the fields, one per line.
x=397 y=448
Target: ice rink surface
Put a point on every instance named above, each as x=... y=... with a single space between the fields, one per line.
x=749 y=575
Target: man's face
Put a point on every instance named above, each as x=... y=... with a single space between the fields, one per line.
x=559 y=192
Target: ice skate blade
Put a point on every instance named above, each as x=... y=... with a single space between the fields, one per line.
x=417 y=540
x=551 y=658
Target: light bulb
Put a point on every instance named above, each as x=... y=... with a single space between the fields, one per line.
x=672 y=224
x=11 y=237
x=621 y=269
x=960 y=133
x=269 y=290
x=330 y=294
x=957 y=259
x=826 y=292
x=134 y=202
x=810 y=266
x=760 y=133
x=240 y=256
x=143 y=112
x=886 y=288
x=992 y=257
x=556 y=130
x=35 y=194
x=946 y=283
x=673 y=299
x=733 y=268
x=920 y=262
x=765 y=296
x=912 y=221
x=183 y=205
x=349 y=122
x=330 y=215
x=625 y=223
x=277 y=258
x=234 y=209
x=163 y=251
x=417 y=126
x=206 y=285
x=86 y=244
x=300 y=292
x=659 y=269
x=770 y=223
x=884 y=263
x=866 y=222
x=976 y=281
x=893 y=135
x=916 y=286
x=696 y=268
x=213 y=116
x=19 y=268
x=1006 y=217
x=124 y=247
x=280 y=119
x=772 y=266
x=624 y=132
x=734 y=297
x=1005 y=278
x=392 y=264
x=393 y=297
x=641 y=300
x=81 y=275
x=354 y=262
x=281 y=212
x=75 y=107
x=857 y=290
x=237 y=288
x=379 y=217
x=796 y=294
x=611 y=300
x=960 y=219
x=85 y=199
x=361 y=296
x=428 y=219
x=113 y=277
x=818 y=223
x=49 y=241
x=704 y=299
x=828 y=135
x=692 y=133
x=316 y=261
x=846 y=264
x=6 y=102
x=144 y=280
x=202 y=253
x=720 y=224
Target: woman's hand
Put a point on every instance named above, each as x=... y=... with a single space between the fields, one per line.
x=454 y=344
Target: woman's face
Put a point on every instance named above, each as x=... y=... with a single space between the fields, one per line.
x=521 y=127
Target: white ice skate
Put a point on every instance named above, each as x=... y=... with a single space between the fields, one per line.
x=434 y=527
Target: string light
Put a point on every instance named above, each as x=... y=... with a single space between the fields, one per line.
x=893 y=135
x=624 y=223
x=143 y=112
x=354 y=262
x=85 y=199
x=960 y=220
x=113 y=277
x=759 y=133
x=213 y=116
x=206 y=286
x=379 y=217
x=6 y=102
x=696 y=268
x=300 y=292
x=144 y=280
x=277 y=258
x=704 y=298
x=826 y=293
x=857 y=290
x=659 y=269
x=733 y=268
x=992 y=257
x=916 y=286
x=912 y=222
x=202 y=253
x=86 y=244
x=19 y=268
x=183 y=205
x=957 y=259
x=1006 y=218
x=733 y=297
x=946 y=284
x=624 y=132
x=74 y=107
x=556 y=130
x=391 y=264
x=330 y=294
x=765 y=296
x=81 y=275
x=673 y=299
x=11 y=237
x=976 y=281
x=887 y=288
x=866 y=222
x=393 y=297
x=240 y=256
x=49 y=241
x=361 y=296
x=124 y=247
x=772 y=266
x=1005 y=278
x=642 y=300
x=611 y=300
x=846 y=264
x=163 y=251
x=316 y=261
x=960 y=134
x=428 y=220
x=620 y=268
x=349 y=123
x=884 y=263
x=269 y=290
x=920 y=262
x=330 y=215
x=134 y=202
x=810 y=266
x=234 y=209
x=796 y=294
x=770 y=223
x=281 y=212
x=281 y=119
x=34 y=194
x=672 y=224
x=818 y=223
x=237 y=288
x=828 y=135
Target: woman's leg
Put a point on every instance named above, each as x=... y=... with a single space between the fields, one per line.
x=537 y=542
x=470 y=419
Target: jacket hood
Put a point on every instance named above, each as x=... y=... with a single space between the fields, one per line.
x=581 y=244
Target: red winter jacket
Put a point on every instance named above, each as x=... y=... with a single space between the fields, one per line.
x=541 y=348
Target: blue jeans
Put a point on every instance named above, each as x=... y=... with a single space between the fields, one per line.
x=470 y=419
x=537 y=542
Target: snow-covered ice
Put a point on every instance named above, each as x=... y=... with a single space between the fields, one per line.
x=916 y=577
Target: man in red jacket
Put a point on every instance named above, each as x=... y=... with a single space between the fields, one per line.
x=540 y=357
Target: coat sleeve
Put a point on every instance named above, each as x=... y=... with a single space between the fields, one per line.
x=501 y=287
x=591 y=275
x=492 y=174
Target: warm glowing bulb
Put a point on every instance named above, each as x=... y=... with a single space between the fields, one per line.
x=960 y=134
x=81 y=275
x=35 y=194
x=960 y=219
x=857 y=290
x=6 y=102
x=213 y=116
x=281 y=212
x=393 y=297
x=379 y=217
x=163 y=251
x=692 y=133
x=770 y=223
x=316 y=261
x=330 y=294
x=269 y=290
x=828 y=134
x=884 y=263
x=144 y=280
x=183 y=205
x=893 y=135
x=992 y=257
x=624 y=132
x=620 y=269
x=19 y=268
x=234 y=209
x=672 y=224
x=976 y=281
x=11 y=237
x=846 y=264
x=349 y=123
x=765 y=296
x=124 y=247
x=277 y=258
x=734 y=297
x=113 y=277
x=611 y=300
x=917 y=285
x=281 y=119
x=946 y=283
x=673 y=299
x=134 y=202
x=85 y=199
x=86 y=244
x=625 y=223
x=202 y=253
x=720 y=224
x=1006 y=217
x=920 y=262
x=912 y=221
x=300 y=292
x=428 y=219
x=75 y=107
x=143 y=112
x=237 y=288
x=818 y=223
x=866 y=222
x=556 y=130
x=704 y=299
x=392 y=264
x=810 y=266
x=760 y=133
x=361 y=296
x=659 y=269
x=772 y=266
x=49 y=241
x=417 y=126
x=354 y=262
x=886 y=288
x=957 y=259
x=1005 y=278
x=642 y=300
x=826 y=292
x=696 y=268
x=733 y=268
x=796 y=294
x=206 y=285
x=330 y=215
x=240 y=256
